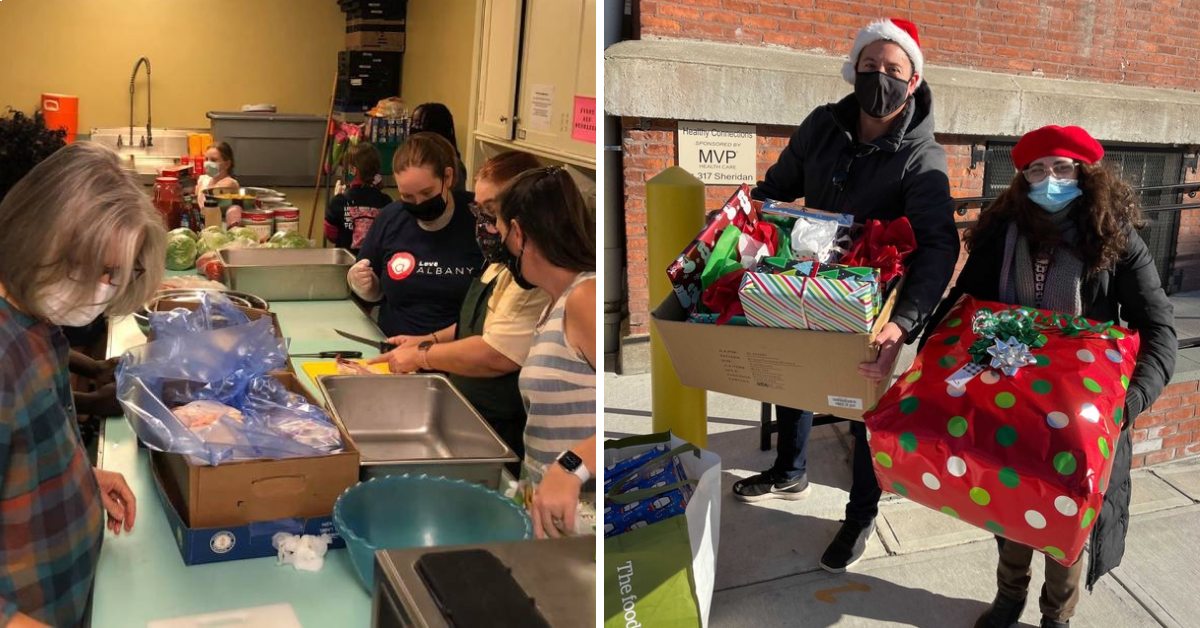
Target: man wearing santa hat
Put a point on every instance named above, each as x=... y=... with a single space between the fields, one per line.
x=872 y=155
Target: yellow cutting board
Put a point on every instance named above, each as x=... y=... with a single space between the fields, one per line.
x=318 y=368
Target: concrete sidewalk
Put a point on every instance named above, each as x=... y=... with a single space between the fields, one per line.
x=922 y=568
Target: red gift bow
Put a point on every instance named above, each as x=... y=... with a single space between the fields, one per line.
x=722 y=296
x=883 y=246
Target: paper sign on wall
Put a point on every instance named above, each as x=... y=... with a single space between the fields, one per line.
x=541 y=107
x=583 y=120
x=718 y=154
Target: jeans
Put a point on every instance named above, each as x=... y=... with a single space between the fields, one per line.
x=791 y=460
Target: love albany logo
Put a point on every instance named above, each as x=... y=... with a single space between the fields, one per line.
x=401 y=266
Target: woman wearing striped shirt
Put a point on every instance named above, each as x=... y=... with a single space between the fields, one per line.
x=549 y=241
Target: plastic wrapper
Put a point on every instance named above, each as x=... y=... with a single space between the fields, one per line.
x=214 y=355
x=621 y=468
x=1008 y=420
x=822 y=235
x=658 y=472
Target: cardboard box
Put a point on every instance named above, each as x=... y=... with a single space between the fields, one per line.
x=253 y=491
x=386 y=35
x=198 y=546
x=799 y=368
x=166 y=305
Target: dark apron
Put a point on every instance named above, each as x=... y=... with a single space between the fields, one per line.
x=498 y=399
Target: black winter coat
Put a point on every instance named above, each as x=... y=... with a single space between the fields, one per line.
x=1130 y=292
x=902 y=173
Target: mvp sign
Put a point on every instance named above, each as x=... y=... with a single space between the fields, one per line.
x=718 y=154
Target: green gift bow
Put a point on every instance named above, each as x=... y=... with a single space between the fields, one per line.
x=1024 y=325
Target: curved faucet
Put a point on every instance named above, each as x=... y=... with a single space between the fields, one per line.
x=149 y=140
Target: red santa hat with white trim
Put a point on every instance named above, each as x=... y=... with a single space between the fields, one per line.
x=901 y=32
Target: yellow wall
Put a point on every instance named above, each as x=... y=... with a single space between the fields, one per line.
x=439 y=49
x=214 y=55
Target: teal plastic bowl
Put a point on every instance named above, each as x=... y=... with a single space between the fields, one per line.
x=400 y=511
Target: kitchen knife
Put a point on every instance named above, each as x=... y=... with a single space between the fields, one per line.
x=382 y=345
x=329 y=354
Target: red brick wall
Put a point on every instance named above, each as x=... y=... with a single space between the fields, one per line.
x=1172 y=423
x=1145 y=42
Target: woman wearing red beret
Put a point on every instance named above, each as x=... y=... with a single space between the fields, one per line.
x=1063 y=237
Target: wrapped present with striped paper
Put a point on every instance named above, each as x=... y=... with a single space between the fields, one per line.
x=842 y=299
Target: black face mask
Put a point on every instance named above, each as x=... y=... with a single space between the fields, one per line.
x=489 y=241
x=513 y=264
x=878 y=94
x=428 y=210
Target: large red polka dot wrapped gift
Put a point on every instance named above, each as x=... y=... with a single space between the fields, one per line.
x=1007 y=420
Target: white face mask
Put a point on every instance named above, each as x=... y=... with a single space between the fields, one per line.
x=55 y=304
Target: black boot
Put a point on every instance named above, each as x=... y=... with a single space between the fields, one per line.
x=1004 y=613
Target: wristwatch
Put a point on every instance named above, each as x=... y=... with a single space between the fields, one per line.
x=423 y=350
x=571 y=461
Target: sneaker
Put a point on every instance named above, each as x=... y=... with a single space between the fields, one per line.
x=1004 y=613
x=1054 y=623
x=848 y=546
x=770 y=485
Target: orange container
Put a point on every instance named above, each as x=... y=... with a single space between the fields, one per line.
x=62 y=112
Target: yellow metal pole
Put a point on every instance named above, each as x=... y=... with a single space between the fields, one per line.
x=674 y=215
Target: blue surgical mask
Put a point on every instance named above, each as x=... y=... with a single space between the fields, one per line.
x=212 y=168
x=1054 y=194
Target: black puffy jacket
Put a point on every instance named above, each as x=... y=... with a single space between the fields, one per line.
x=1130 y=292
x=902 y=173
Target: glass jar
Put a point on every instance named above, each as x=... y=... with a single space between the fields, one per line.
x=168 y=200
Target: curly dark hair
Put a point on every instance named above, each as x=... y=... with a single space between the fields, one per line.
x=1107 y=207
x=24 y=143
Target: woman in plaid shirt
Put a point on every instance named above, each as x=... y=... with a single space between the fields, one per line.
x=77 y=237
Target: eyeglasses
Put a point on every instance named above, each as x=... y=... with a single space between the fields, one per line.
x=485 y=215
x=1038 y=172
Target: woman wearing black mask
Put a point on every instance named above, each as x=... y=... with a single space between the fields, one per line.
x=420 y=255
x=549 y=240
x=484 y=351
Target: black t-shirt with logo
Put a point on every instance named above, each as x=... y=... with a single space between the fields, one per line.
x=424 y=275
x=350 y=215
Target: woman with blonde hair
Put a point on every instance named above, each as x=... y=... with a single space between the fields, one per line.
x=78 y=237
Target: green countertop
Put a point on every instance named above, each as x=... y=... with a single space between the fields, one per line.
x=141 y=576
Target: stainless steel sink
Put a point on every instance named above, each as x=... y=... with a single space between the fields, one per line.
x=416 y=424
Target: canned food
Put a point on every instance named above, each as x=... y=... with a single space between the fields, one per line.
x=262 y=221
x=287 y=219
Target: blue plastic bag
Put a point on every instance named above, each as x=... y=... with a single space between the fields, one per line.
x=216 y=353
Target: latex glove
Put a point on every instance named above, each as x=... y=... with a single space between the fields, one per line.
x=889 y=341
x=119 y=501
x=362 y=280
x=554 y=503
